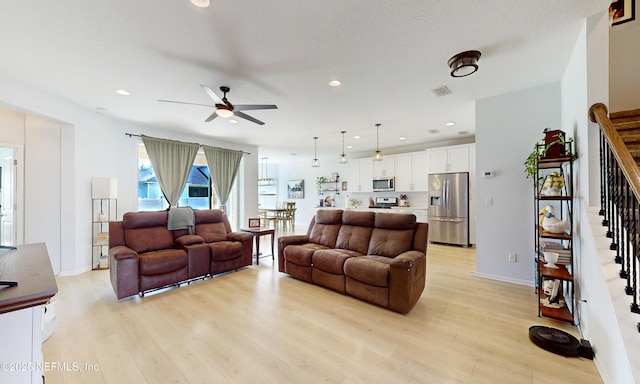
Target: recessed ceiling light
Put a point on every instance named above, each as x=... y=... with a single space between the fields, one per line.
x=335 y=83
x=122 y=92
x=450 y=124
x=201 y=3
x=349 y=146
x=233 y=121
x=356 y=137
x=403 y=138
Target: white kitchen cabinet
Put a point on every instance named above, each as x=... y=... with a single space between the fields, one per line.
x=449 y=159
x=384 y=168
x=360 y=175
x=411 y=172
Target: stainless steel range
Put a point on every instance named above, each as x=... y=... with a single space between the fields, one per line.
x=385 y=202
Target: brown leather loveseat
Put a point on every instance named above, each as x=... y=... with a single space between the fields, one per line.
x=145 y=255
x=377 y=257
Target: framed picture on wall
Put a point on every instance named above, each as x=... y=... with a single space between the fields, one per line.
x=621 y=11
x=295 y=189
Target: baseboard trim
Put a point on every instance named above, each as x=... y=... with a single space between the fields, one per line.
x=527 y=283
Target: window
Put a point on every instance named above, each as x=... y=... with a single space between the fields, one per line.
x=195 y=194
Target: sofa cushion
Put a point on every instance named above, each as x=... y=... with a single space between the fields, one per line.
x=395 y=221
x=325 y=229
x=225 y=250
x=146 y=231
x=332 y=260
x=389 y=242
x=164 y=261
x=354 y=238
x=301 y=254
x=359 y=218
x=371 y=270
x=211 y=232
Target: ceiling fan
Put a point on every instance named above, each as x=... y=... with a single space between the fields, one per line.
x=224 y=108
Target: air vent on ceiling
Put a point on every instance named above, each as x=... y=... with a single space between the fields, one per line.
x=463 y=133
x=434 y=131
x=441 y=91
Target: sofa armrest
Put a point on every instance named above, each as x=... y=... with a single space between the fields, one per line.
x=185 y=240
x=407 y=260
x=122 y=252
x=123 y=271
x=240 y=236
x=283 y=242
x=406 y=280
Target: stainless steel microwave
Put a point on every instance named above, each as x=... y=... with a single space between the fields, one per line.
x=384 y=184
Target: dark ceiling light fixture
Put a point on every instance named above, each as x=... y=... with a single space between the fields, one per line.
x=377 y=156
x=343 y=156
x=315 y=163
x=464 y=63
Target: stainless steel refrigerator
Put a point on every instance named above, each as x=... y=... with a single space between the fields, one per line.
x=449 y=208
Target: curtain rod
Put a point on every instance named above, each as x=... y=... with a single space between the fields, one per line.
x=134 y=135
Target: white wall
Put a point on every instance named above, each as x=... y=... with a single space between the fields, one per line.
x=94 y=145
x=624 y=53
x=603 y=310
x=507 y=127
x=300 y=168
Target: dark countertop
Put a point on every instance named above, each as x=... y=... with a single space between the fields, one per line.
x=30 y=266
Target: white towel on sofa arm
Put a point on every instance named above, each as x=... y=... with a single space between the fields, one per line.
x=181 y=218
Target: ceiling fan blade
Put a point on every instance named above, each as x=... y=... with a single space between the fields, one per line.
x=212 y=95
x=247 y=117
x=247 y=107
x=213 y=116
x=185 y=102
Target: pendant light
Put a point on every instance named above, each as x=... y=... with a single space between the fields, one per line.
x=343 y=156
x=315 y=163
x=377 y=156
x=265 y=180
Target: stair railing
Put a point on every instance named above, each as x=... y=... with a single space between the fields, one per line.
x=619 y=200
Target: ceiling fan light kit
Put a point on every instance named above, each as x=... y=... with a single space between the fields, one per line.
x=315 y=163
x=224 y=108
x=201 y=3
x=377 y=155
x=464 y=63
x=343 y=156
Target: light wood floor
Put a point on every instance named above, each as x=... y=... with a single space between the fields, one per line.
x=260 y=326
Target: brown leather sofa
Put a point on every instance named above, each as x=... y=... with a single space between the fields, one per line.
x=377 y=257
x=145 y=255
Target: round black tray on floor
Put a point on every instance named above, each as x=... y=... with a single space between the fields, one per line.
x=554 y=340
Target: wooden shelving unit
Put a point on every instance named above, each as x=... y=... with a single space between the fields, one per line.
x=562 y=307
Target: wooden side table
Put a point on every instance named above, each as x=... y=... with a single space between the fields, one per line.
x=257 y=232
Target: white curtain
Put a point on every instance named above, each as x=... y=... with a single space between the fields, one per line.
x=223 y=166
x=171 y=161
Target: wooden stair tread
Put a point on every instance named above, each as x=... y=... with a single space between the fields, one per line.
x=613 y=116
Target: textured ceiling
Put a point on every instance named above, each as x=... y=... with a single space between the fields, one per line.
x=388 y=54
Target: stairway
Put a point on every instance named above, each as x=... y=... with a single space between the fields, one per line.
x=627 y=123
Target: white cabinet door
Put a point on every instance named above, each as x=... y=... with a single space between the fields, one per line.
x=412 y=172
x=449 y=160
x=360 y=175
x=458 y=159
x=385 y=167
x=353 y=176
x=366 y=175
x=438 y=159
x=419 y=172
x=403 y=173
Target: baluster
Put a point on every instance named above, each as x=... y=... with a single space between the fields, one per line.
x=610 y=186
x=631 y=290
x=603 y=178
x=615 y=243
x=624 y=242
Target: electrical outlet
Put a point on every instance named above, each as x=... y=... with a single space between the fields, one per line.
x=513 y=257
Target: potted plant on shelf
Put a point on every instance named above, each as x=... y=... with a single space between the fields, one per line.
x=540 y=150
